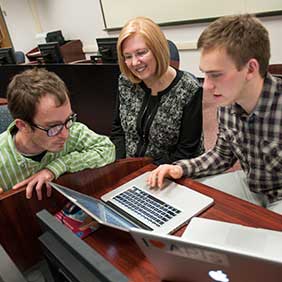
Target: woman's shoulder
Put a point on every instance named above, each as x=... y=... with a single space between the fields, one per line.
x=123 y=80
x=127 y=88
x=188 y=77
x=125 y=85
x=188 y=82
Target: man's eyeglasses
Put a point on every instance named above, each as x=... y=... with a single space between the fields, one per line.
x=139 y=54
x=57 y=128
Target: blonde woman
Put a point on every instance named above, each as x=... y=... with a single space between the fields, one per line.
x=159 y=108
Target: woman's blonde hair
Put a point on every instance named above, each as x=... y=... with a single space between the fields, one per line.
x=154 y=39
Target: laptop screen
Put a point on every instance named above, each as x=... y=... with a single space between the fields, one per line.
x=95 y=208
x=201 y=258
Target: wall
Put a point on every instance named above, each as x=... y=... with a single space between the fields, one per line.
x=83 y=20
x=77 y=19
x=181 y=10
x=190 y=33
x=20 y=23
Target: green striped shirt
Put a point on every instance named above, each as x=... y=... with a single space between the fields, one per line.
x=83 y=149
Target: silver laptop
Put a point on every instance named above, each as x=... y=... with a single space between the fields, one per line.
x=134 y=204
x=162 y=210
x=211 y=250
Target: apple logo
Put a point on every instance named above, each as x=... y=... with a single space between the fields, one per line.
x=218 y=275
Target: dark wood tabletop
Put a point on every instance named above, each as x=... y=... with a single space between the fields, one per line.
x=3 y=101
x=18 y=223
x=20 y=229
x=120 y=249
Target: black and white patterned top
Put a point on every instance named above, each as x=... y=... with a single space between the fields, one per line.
x=166 y=127
x=254 y=139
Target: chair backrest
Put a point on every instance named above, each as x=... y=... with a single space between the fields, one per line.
x=174 y=54
x=5 y=118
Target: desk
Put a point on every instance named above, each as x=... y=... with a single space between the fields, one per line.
x=3 y=101
x=71 y=51
x=17 y=216
x=120 y=249
x=18 y=224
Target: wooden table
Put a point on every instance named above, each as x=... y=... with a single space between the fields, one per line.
x=3 y=101
x=20 y=230
x=19 y=227
x=120 y=249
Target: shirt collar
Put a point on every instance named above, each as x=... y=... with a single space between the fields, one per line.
x=11 y=143
x=20 y=158
x=264 y=101
x=266 y=97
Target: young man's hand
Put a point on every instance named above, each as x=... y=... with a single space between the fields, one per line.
x=156 y=178
x=36 y=182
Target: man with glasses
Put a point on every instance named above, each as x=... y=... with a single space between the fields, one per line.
x=45 y=141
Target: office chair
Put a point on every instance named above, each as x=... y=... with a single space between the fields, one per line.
x=5 y=118
x=174 y=54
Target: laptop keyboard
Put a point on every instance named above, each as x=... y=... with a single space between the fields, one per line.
x=146 y=206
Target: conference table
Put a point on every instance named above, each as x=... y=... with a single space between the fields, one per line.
x=116 y=246
x=121 y=250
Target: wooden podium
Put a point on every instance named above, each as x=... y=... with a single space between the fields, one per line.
x=71 y=51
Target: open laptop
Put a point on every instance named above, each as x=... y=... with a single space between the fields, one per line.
x=211 y=250
x=134 y=204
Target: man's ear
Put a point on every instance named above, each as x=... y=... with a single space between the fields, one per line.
x=22 y=125
x=252 y=68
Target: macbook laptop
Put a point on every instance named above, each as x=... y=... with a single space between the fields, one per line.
x=211 y=250
x=134 y=204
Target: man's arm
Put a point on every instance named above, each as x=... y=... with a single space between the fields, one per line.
x=214 y=161
x=84 y=149
x=36 y=181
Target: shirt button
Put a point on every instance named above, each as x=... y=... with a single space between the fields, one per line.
x=252 y=118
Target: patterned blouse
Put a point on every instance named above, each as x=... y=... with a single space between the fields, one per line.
x=166 y=127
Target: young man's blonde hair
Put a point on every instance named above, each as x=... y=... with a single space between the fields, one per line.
x=154 y=39
x=242 y=36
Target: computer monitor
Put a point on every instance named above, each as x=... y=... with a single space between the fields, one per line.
x=70 y=258
x=7 y=56
x=107 y=47
x=55 y=36
x=8 y=270
x=51 y=53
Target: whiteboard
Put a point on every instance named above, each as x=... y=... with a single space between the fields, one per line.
x=169 y=12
